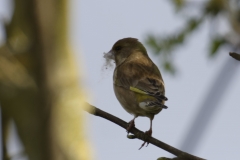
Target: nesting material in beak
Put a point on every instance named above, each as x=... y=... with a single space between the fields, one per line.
x=109 y=59
x=109 y=55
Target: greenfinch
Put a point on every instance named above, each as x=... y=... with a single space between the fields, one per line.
x=137 y=81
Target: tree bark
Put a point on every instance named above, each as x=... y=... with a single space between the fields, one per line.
x=39 y=83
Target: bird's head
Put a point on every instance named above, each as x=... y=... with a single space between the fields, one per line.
x=123 y=48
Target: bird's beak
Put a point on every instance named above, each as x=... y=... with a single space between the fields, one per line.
x=109 y=55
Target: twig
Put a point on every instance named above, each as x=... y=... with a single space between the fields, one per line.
x=139 y=134
x=235 y=55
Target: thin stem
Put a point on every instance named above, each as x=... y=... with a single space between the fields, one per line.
x=235 y=55
x=139 y=134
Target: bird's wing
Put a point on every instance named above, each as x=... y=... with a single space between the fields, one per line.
x=145 y=81
x=150 y=86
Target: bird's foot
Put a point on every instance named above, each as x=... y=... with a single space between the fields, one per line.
x=147 y=134
x=131 y=124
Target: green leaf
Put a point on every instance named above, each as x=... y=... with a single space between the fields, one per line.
x=153 y=43
x=168 y=66
x=215 y=45
x=213 y=7
x=179 y=4
x=192 y=24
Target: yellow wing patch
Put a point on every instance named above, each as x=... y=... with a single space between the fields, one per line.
x=137 y=90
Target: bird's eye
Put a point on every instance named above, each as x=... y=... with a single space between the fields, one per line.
x=118 y=48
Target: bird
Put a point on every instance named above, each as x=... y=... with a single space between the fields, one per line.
x=137 y=81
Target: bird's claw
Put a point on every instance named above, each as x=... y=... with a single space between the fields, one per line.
x=131 y=124
x=147 y=134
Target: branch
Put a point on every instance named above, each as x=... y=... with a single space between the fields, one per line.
x=235 y=55
x=140 y=135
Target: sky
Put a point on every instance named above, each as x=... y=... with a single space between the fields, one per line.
x=96 y=26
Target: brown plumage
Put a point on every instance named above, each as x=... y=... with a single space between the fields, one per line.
x=137 y=82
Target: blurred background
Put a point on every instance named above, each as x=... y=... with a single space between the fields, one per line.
x=188 y=40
